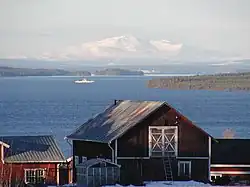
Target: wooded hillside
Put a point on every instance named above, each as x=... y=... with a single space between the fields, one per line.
x=231 y=81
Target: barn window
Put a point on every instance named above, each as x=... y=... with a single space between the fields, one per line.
x=163 y=141
x=34 y=176
x=184 y=169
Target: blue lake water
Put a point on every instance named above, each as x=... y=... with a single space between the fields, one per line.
x=55 y=105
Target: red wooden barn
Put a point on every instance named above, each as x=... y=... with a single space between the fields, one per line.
x=149 y=139
x=31 y=159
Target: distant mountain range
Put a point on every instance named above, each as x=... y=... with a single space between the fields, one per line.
x=132 y=48
x=130 y=52
x=117 y=47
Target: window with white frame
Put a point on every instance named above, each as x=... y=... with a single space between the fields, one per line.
x=163 y=141
x=34 y=176
x=184 y=168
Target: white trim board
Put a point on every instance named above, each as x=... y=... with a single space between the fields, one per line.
x=229 y=166
x=209 y=155
x=193 y=158
x=58 y=174
x=230 y=172
x=131 y=158
x=116 y=151
x=187 y=158
x=4 y=144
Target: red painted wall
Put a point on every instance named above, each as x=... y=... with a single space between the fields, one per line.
x=16 y=171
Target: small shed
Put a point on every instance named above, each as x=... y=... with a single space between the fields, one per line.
x=97 y=172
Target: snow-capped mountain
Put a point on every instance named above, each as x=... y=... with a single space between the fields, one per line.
x=126 y=46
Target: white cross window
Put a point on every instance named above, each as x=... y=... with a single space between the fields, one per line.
x=163 y=141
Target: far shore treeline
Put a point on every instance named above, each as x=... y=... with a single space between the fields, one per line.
x=228 y=81
x=14 y=72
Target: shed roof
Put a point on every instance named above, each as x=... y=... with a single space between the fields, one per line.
x=94 y=161
x=26 y=149
x=231 y=151
x=116 y=120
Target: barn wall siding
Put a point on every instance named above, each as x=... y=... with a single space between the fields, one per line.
x=199 y=169
x=91 y=149
x=192 y=142
x=138 y=170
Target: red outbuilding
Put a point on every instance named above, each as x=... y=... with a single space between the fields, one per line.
x=32 y=159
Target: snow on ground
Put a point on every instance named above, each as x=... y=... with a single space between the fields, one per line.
x=157 y=184
x=165 y=184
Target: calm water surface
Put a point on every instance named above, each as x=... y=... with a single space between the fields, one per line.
x=55 y=105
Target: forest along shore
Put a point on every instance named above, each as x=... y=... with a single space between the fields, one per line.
x=229 y=81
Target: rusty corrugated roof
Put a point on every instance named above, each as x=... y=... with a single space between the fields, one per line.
x=115 y=121
x=24 y=149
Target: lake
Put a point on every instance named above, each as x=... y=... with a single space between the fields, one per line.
x=55 y=105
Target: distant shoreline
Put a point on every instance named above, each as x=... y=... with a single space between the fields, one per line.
x=22 y=72
x=228 y=82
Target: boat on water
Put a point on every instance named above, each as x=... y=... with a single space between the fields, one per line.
x=84 y=81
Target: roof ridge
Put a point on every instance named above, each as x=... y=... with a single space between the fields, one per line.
x=139 y=100
x=27 y=135
x=149 y=106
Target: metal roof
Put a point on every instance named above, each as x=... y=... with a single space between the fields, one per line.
x=115 y=121
x=95 y=161
x=27 y=149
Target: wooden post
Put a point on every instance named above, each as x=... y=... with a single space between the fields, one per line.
x=57 y=174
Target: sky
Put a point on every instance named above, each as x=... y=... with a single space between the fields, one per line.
x=33 y=27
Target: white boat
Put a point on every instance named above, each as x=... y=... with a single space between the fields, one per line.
x=83 y=81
